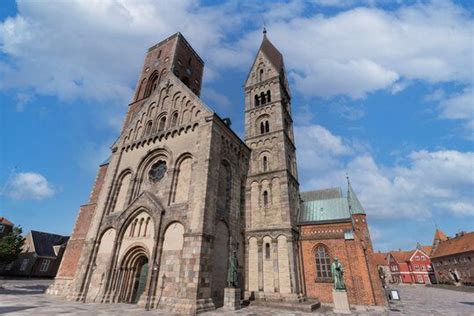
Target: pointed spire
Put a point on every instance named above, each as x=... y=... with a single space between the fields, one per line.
x=354 y=204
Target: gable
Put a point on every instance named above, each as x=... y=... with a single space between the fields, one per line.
x=172 y=104
x=261 y=62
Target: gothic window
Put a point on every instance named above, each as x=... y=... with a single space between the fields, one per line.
x=257 y=100
x=174 y=119
x=265 y=163
x=265 y=198
x=162 y=124
x=269 y=96
x=267 y=251
x=260 y=75
x=157 y=171
x=263 y=99
x=323 y=264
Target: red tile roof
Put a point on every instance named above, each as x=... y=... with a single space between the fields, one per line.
x=439 y=235
x=5 y=221
x=402 y=256
x=380 y=258
x=451 y=246
x=426 y=249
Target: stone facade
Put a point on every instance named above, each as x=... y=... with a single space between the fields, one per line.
x=181 y=191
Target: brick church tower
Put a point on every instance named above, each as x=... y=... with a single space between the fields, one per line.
x=272 y=184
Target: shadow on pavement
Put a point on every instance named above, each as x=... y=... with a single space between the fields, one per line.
x=11 y=309
x=467 y=303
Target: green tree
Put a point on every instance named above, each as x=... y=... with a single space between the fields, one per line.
x=11 y=245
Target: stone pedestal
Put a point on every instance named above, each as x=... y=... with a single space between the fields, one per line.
x=341 y=303
x=231 y=298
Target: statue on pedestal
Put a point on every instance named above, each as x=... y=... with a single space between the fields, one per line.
x=337 y=274
x=232 y=272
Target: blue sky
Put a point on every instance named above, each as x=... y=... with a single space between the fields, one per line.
x=382 y=90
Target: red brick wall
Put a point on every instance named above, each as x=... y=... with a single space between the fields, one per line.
x=76 y=242
x=362 y=289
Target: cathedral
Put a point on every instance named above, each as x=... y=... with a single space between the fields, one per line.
x=181 y=193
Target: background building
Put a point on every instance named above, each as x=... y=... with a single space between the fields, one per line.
x=6 y=226
x=40 y=257
x=453 y=258
x=413 y=266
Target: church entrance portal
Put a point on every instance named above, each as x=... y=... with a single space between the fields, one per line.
x=133 y=276
x=140 y=279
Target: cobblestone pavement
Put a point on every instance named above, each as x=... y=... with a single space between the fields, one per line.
x=26 y=297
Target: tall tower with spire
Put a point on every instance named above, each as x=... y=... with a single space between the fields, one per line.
x=272 y=182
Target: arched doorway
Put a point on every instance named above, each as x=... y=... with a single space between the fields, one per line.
x=140 y=279
x=133 y=275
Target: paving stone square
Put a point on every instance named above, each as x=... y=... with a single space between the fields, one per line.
x=27 y=297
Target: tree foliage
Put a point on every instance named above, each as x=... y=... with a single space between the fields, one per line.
x=11 y=245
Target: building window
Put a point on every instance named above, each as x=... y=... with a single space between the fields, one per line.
x=2 y=228
x=265 y=163
x=260 y=75
x=417 y=258
x=267 y=251
x=422 y=257
x=269 y=96
x=44 y=265
x=417 y=267
x=174 y=119
x=257 y=100
x=265 y=198
x=161 y=126
x=323 y=264
x=24 y=263
x=422 y=268
x=263 y=98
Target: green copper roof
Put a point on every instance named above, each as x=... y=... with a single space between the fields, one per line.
x=325 y=210
x=354 y=205
x=329 y=205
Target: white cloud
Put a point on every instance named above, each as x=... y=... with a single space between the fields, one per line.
x=430 y=180
x=362 y=50
x=214 y=98
x=459 y=106
x=29 y=186
x=93 y=50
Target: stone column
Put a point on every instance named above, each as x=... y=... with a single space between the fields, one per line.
x=276 y=271
x=293 y=278
x=260 y=264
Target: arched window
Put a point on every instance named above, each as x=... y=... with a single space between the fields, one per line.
x=148 y=128
x=260 y=75
x=132 y=229
x=161 y=126
x=146 y=226
x=265 y=163
x=269 y=96
x=140 y=227
x=262 y=128
x=323 y=264
x=267 y=251
x=174 y=119
x=263 y=99
x=257 y=100
x=265 y=198
x=154 y=84
x=267 y=127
